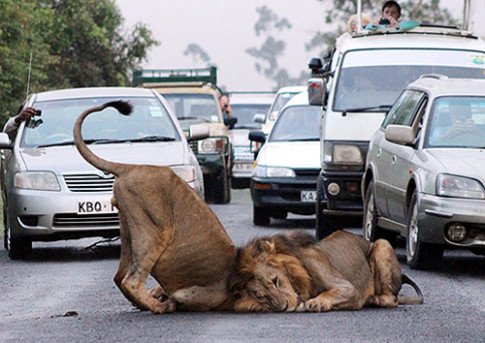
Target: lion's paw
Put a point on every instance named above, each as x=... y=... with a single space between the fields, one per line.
x=167 y=306
x=315 y=305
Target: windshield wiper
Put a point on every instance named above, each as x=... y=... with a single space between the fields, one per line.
x=55 y=144
x=303 y=139
x=193 y=118
x=366 y=109
x=153 y=139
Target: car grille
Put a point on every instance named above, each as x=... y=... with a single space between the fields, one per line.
x=66 y=220
x=307 y=172
x=89 y=183
x=194 y=146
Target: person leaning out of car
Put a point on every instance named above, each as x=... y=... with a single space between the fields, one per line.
x=12 y=125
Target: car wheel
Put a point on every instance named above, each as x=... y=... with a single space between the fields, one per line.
x=220 y=187
x=324 y=225
x=260 y=216
x=419 y=255
x=18 y=248
x=371 y=230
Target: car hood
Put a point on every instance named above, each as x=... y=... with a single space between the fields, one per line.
x=469 y=162
x=240 y=137
x=64 y=159
x=291 y=154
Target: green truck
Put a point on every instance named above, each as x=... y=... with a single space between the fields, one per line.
x=194 y=96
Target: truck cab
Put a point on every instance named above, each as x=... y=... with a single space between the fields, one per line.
x=357 y=84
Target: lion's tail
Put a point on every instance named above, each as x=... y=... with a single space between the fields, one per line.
x=124 y=108
x=408 y=300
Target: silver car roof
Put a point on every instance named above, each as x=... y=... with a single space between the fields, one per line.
x=89 y=92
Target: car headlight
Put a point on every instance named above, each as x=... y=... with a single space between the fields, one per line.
x=212 y=145
x=185 y=172
x=338 y=156
x=39 y=181
x=263 y=171
x=459 y=187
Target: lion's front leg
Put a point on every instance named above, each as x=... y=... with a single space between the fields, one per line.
x=344 y=297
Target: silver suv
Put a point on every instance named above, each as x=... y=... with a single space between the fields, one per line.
x=425 y=171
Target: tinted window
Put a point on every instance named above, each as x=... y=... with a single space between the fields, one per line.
x=403 y=110
x=203 y=106
x=296 y=123
x=245 y=113
x=149 y=118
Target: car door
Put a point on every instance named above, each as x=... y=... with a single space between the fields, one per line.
x=394 y=159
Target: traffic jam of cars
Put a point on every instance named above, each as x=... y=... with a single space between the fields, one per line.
x=388 y=134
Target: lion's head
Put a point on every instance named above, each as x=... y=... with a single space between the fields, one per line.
x=270 y=275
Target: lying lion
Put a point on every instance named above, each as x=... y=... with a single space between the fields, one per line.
x=167 y=231
x=296 y=273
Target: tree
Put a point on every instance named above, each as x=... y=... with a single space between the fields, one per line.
x=272 y=48
x=198 y=54
x=73 y=43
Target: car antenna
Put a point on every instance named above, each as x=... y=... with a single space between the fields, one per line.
x=28 y=79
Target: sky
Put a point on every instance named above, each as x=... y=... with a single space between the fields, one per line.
x=225 y=29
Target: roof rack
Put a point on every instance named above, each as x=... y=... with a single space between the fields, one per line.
x=196 y=75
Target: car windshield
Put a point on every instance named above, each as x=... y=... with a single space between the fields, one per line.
x=194 y=106
x=296 y=123
x=456 y=122
x=280 y=101
x=245 y=113
x=148 y=121
x=373 y=78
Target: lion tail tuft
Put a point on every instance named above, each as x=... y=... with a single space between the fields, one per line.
x=123 y=107
x=407 y=300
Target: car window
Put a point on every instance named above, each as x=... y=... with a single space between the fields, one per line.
x=203 y=106
x=245 y=113
x=148 y=119
x=296 y=123
x=279 y=102
x=456 y=122
x=372 y=78
x=402 y=112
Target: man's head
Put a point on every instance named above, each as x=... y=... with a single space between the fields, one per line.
x=224 y=102
x=391 y=9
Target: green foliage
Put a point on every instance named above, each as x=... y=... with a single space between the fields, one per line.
x=73 y=44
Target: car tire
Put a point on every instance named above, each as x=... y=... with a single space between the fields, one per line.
x=324 y=225
x=220 y=188
x=419 y=255
x=18 y=248
x=261 y=216
x=372 y=231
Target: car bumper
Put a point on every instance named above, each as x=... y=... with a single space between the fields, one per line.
x=436 y=214
x=284 y=194
x=40 y=214
x=348 y=198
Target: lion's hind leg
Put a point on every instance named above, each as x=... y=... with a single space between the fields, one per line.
x=386 y=273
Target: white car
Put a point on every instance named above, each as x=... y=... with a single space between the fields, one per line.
x=51 y=193
x=245 y=107
x=425 y=172
x=285 y=171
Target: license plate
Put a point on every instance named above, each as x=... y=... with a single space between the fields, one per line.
x=86 y=207
x=308 y=196
x=243 y=167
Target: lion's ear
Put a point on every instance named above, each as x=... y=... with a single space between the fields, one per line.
x=267 y=246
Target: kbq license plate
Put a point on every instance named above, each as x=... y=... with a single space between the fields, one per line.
x=308 y=196
x=86 y=207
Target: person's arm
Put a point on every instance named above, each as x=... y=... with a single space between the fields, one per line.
x=12 y=125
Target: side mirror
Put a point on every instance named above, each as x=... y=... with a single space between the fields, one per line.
x=259 y=118
x=317 y=92
x=230 y=122
x=198 y=131
x=5 y=141
x=400 y=134
x=257 y=136
x=315 y=65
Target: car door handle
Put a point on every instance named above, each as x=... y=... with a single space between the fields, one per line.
x=379 y=152
x=393 y=159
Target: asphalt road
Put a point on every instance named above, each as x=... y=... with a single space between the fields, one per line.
x=65 y=293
